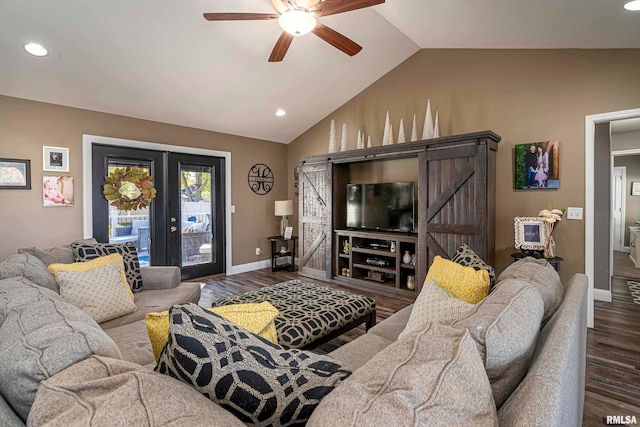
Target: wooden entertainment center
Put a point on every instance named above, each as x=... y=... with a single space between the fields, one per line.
x=455 y=205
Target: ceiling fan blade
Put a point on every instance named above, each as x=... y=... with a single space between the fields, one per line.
x=336 y=39
x=239 y=16
x=280 y=5
x=281 y=47
x=332 y=7
x=307 y=4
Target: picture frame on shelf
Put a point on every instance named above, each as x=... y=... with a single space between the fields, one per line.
x=15 y=174
x=288 y=232
x=55 y=159
x=530 y=233
x=635 y=188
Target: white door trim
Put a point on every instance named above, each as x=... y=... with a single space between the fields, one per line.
x=623 y=202
x=589 y=144
x=87 y=208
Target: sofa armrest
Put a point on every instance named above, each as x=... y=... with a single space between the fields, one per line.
x=160 y=277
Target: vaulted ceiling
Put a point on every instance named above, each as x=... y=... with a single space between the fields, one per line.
x=160 y=60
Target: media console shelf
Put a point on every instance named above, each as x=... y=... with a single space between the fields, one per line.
x=455 y=180
x=373 y=260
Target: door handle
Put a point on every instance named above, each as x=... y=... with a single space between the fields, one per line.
x=173 y=228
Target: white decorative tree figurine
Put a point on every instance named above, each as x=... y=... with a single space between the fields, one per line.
x=343 y=138
x=427 y=131
x=436 y=127
x=360 y=140
x=414 y=130
x=391 y=141
x=369 y=144
x=401 y=137
x=387 y=130
x=332 y=138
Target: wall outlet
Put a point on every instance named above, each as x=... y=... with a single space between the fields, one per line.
x=574 y=213
x=258 y=251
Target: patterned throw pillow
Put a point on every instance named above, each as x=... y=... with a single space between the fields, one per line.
x=86 y=252
x=461 y=282
x=255 y=318
x=435 y=304
x=467 y=257
x=98 y=292
x=90 y=265
x=259 y=382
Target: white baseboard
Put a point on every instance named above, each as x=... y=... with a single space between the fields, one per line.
x=602 y=295
x=252 y=266
x=626 y=249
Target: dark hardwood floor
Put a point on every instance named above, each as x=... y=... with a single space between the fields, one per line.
x=613 y=345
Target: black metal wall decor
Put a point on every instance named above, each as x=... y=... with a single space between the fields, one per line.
x=260 y=179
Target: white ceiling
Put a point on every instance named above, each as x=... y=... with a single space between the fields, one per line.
x=160 y=60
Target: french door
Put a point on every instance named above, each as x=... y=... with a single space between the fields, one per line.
x=183 y=226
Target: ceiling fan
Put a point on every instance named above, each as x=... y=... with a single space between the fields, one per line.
x=299 y=17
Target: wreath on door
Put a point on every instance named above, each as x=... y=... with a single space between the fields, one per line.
x=129 y=188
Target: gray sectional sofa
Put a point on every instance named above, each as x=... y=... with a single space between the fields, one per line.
x=439 y=373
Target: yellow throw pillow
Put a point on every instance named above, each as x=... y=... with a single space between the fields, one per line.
x=95 y=263
x=255 y=318
x=461 y=282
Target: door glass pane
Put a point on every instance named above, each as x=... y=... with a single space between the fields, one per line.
x=196 y=215
x=130 y=226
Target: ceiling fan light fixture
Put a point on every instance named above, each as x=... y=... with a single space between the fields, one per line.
x=297 y=22
x=633 y=5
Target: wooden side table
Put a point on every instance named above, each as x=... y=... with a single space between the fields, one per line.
x=555 y=261
x=277 y=253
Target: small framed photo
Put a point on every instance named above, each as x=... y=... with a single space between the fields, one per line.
x=55 y=159
x=288 y=232
x=57 y=191
x=15 y=174
x=537 y=165
x=530 y=233
x=635 y=188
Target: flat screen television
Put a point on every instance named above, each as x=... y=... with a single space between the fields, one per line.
x=385 y=206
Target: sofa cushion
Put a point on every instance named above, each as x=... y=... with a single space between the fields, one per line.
x=86 y=252
x=543 y=276
x=259 y=382
x=58 y=254
x=430 y=377
x=356 y=353
x=100 y=391
x=30 y=267
x=392 y=326
x=505 y=326
x=467 y=257
x=97 y=291
x=461 y=282
x=157 y=300
x=8 y=418
x=133 y=342
x=95 y=263
x=435 y=304
x=42 y=335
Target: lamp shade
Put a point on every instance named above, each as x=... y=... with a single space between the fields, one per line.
x=284 y=207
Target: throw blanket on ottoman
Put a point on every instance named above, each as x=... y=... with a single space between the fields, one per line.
x=310 y=314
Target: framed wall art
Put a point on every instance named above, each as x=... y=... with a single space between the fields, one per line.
x=635 y=188
x=57 y=191
x=530 y=233
x=537 y=165
x=15 y=174
x=55 y=159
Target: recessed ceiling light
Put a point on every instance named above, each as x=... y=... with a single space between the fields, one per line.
x=280 y=112
x=35 y=49
x=632 y=5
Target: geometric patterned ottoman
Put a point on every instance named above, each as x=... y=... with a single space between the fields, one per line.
x=310 y=315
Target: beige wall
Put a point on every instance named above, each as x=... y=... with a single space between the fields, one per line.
x=25 y=126
x=522 y=95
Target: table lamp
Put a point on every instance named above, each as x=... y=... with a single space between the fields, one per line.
x=284 y=208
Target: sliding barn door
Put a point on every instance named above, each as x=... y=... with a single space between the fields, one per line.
x=456 y=202
x=315 y=220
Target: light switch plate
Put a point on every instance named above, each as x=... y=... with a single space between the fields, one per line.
x=574 y=213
